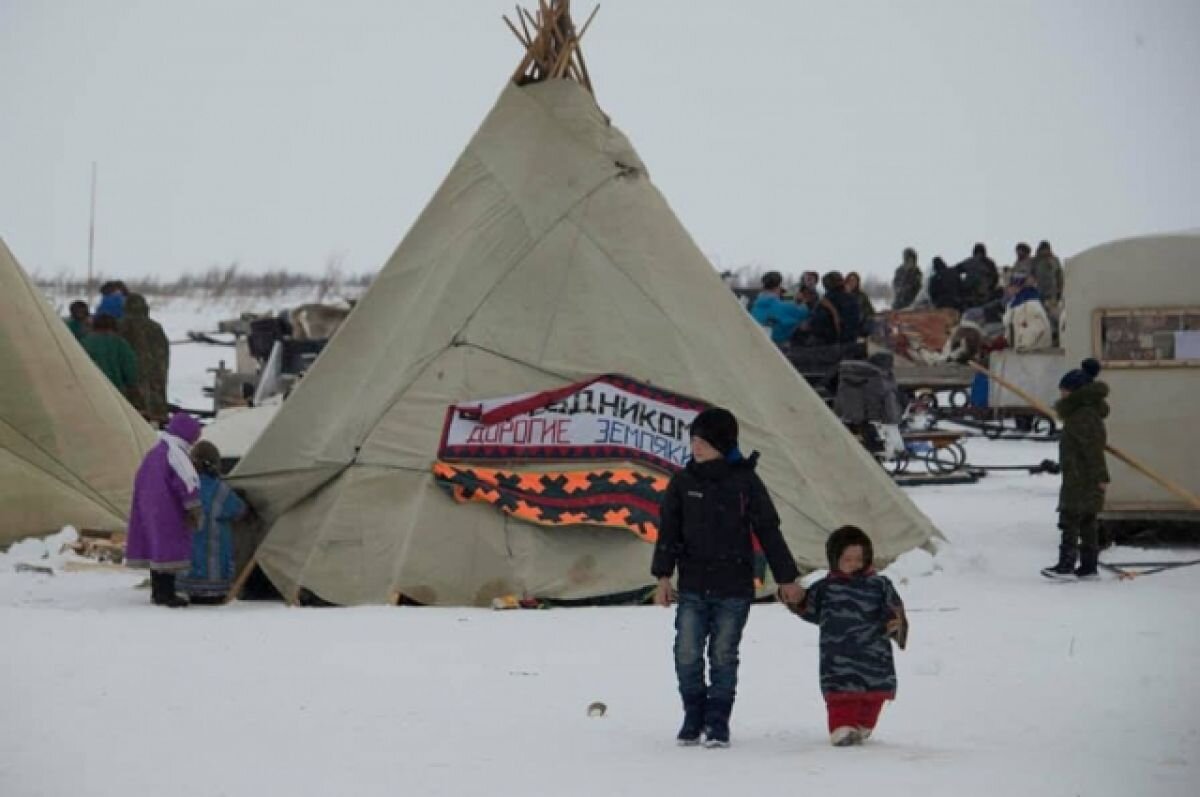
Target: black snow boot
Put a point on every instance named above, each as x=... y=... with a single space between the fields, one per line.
x=693 y=721
x=1088 y=559
x=716 y=723
x=156 y=588
x=162 y=591
x=1065 y=566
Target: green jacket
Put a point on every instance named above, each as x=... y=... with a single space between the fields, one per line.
x=153 y=351
x=77 y=327
x=1081 y=449
x=115 y=358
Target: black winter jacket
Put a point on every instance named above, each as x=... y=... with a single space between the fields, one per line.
x=709 y=512
x=842 y=324
x=945 y=288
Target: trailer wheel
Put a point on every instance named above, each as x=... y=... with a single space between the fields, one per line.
x=942 y=460
x=960 y=399
x=1044 y=425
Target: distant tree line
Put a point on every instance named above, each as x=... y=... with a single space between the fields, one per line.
x=217 y=282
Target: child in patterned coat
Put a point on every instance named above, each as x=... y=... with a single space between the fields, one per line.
x=860 y=614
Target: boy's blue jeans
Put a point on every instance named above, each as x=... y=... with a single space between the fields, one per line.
x=717 y=623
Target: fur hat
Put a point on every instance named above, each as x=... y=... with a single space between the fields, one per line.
x=1085 y=374
x=843 y=538
x=206 y=456
x=717 y=427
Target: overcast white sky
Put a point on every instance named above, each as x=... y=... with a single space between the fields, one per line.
x=786 y=133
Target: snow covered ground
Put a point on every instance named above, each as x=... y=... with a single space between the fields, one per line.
x=1012 y=684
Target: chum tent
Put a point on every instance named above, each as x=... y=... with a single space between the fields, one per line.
x=546 y=258
x=69 y=442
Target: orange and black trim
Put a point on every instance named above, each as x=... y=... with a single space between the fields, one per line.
x=622 y=498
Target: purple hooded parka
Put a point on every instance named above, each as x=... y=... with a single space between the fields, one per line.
x=159 y=534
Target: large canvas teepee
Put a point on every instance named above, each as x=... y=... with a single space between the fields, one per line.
x=547 y=257
x=69 y=443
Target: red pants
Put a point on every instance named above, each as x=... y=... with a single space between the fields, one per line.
x=854 y=710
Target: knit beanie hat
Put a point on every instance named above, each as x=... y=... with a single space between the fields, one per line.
x=843 y=538
x=1085 y=374
x=718 y=428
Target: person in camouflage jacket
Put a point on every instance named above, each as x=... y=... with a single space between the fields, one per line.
x=1082 y=409
x=1048 y=274
x=980 y=278
x=153 y=352
x=859 y=613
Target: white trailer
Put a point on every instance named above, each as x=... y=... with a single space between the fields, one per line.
x=1134 y=305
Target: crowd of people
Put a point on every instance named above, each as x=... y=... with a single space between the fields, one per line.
x=179 y=524
x=1024 y=297
x=824 y=311
x=128 y=347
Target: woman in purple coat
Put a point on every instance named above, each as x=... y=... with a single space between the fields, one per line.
x=166 y=497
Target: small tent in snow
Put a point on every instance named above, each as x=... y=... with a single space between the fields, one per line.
x=69 y=442
x=547 y=259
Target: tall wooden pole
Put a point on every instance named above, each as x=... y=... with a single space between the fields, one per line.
x=92 y=236
x=1128 y=459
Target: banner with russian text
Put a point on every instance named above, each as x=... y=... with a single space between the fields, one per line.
x=610 y=417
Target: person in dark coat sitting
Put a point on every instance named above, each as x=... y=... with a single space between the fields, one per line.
x=837 y=317
x=945 y=286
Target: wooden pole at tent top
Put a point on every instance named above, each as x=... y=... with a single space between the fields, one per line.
x=1128 y=459
x=551 y=43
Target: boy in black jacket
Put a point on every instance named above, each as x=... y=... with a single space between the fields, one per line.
x=711 y=512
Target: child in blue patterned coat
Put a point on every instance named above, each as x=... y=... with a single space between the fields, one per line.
x=860 y=614
x=211 y=574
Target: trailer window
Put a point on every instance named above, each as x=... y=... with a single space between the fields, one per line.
x=1158 y=337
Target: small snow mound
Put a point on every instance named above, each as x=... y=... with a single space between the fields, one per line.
x=913 y=564
x=39 y=550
